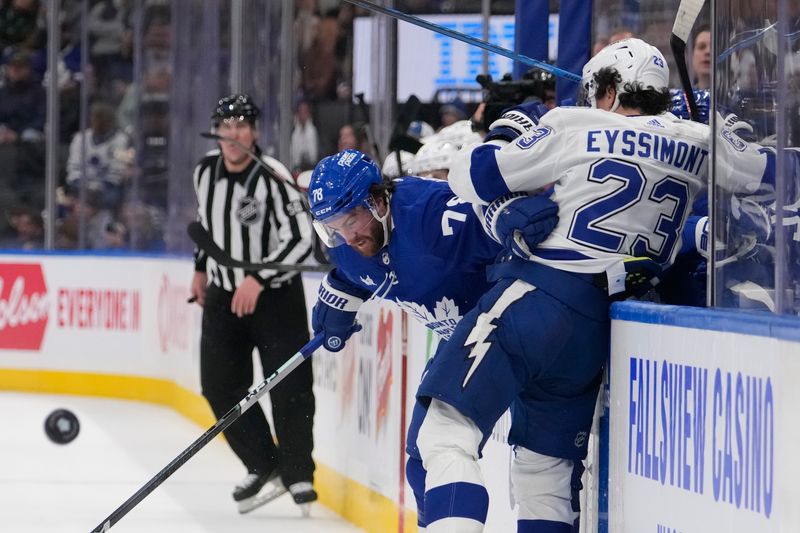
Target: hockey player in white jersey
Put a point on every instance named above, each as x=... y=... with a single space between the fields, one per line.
x=624 y=174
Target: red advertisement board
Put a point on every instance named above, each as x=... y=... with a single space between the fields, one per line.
x=24 y=306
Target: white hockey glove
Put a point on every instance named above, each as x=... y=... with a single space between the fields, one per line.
x=735 y=124
x=750 y=218
x=730 y=128
x=516 y=121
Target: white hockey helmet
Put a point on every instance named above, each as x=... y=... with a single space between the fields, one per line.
x=634 y=60
x=438 y=150
x=419 y=129
x=390 y=168
x=435 y=154
x=460 y=133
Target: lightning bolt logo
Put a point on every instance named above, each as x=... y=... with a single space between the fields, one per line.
x=477 y=336
x=485 y=325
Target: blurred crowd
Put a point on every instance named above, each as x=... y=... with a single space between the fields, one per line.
x=113 y=121
x=96 y=207
x=328 y=116
x=114 y=126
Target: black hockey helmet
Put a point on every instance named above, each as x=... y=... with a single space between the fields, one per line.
x=238 y=106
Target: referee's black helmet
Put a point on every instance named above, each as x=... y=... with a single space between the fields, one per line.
x=235 y=106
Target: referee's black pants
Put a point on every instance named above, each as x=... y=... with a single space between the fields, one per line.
x=278 y=328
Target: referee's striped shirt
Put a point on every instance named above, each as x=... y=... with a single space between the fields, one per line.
x=253 y=217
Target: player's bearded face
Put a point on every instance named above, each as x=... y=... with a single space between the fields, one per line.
x=361 y=231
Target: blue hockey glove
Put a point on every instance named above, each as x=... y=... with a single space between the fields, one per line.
x=334 y=314
x=516 y=121
x=520 y=222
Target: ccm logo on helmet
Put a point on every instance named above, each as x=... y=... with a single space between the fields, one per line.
x=331 y=299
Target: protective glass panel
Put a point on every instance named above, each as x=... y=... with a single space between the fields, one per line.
x=755 y=195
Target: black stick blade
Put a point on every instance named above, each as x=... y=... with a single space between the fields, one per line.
x=678 y=47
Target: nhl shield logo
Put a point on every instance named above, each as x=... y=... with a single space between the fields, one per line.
x=249 y=211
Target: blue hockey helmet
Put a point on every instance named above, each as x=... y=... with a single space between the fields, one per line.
x=680 y=108
x=340 y=183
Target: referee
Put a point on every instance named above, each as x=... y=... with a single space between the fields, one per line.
x=254 y=216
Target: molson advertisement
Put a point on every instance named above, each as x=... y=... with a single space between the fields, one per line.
x=105 y=315
x=24 y=306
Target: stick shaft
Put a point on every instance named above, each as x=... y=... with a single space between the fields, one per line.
x=203 y=240
x=260 y=162
x=411 y=19
x=688 y=10
x=679 y=52
x=227 y=419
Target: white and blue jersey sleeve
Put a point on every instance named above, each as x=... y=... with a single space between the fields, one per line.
x=481 y=173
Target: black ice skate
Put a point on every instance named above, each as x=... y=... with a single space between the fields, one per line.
x=256 y=490
x=303 y=493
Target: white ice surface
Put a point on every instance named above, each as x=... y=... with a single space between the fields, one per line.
x=46 y=487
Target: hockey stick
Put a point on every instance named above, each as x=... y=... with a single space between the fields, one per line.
x=227 y=419
x=203 y=240
x=411 y=19
x=400 y=139
x=362 y=106
x=258 y=160
x=684 y=21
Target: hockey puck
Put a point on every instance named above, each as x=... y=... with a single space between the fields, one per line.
x=62 y=426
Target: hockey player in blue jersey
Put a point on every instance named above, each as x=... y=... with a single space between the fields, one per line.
x=408 y=240
x=625 y=173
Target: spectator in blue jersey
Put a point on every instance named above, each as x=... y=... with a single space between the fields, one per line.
x=22 y=117
x=22 y=102
x=408 y=240
x=624 y=174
